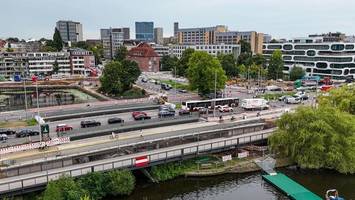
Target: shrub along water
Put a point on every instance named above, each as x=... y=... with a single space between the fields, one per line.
x=172 y=170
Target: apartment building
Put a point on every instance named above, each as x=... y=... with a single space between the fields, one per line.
x=112 y=39
x=70 y=31
x=213 y=49
x=255 y=39
x=199 y=36
x=161 y=50
x=82 y=61
x=13 y=63
x=335 y=59
x=41 y=63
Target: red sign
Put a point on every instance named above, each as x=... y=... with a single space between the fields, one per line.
x=34 y=79
x=141 y=161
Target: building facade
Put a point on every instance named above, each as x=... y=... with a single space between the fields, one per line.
x=158 y=35
x=70 y=31
x=176 y=29
x=41 y=63
x=82 y=62
x=145 y=31
x=161 y=50
x=13 y=64
x=317 y=59
x=213 y=49
x=199 y=36
x=148 y=60
x=255 y=39
x=112 y=39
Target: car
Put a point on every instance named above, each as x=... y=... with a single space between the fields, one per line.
x=292 y=100
x=302 y=97
x=26 y=133
x=115 y=120
x=144 y=80
x=165 y=86
x=139 y=115
x=225 y=108
x=89 y=123
x=184 y=112
x=7 y=131
x=166 y=113
x=3 y=137
x=182 y=91
x=63 y=128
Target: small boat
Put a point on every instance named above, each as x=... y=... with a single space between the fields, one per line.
x=333 y=195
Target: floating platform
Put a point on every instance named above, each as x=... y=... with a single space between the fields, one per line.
x=291 y=188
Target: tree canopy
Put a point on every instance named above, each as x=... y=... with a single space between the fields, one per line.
x=296 y=73
x=168 y=63
x=202 y=69
x=57 y=40
x=118 y=77
x=121 y=53
x=228 y=63
x=322 y=137
x=276 y=65
x=181 y=68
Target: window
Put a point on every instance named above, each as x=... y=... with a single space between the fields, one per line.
x=274 y=47
x=322 y=65
x=318 y=47
x=338 y=47
x=349 y=46
x=288 y=47
x=311 y=53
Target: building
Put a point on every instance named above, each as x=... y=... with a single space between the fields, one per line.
x=82 y=62
x=169 y=40
x=161 y=50
x=145 y=31
x=255 y=39
x=267 y=38
x=316 y=58
x=158 y=35
x=213 y=49
x=148 y=60
x=176 y=29
x=13 y=64
x=330 y=37
x=93 y=42
x=199 y=36
x=41 y=63
x=70 y=31
x=112 y=39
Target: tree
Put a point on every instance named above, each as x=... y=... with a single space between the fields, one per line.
x=82 y=45
x=228 y=63
x=202 y=69
x=168 y=63
x=259 y=59
x=120 y=182
x=94 y=183
x=245 y=57
x=12 y=40
x=121 y=53
x=9 y=49
x=342 y=98
x=118 y=77
x=98 y=52
x=55 y=69
x=256 y=71
x=57 y=40
x=296 y=73
x=274 y=41
x=242 y=70
x=244 y=46
x=65 y=188
x=276 y=65
x=181 y=69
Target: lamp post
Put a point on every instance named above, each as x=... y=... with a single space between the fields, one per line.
x=24 y=88
x=215 y=93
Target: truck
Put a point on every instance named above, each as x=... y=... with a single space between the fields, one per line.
x=254 y=104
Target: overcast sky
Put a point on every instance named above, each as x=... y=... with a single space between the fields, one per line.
x=280 y=18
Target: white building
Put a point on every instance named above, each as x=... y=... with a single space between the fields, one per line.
x=335 y=59
x=213 y=49
x=41 y=63
x=111 y=38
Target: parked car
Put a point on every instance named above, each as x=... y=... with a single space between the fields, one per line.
x=293 y=100
x=225 y=108
x=166 y=113
x=184 y=112
x=63 y=128
x=115 y=120
x=26 y=133
x=7 y=131
x=3 y=137
x=302 y=96
x=165 y=86
x=89 y=123
x=138 y=115
x=182 y=91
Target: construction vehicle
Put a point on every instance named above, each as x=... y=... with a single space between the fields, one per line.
x=161 y=99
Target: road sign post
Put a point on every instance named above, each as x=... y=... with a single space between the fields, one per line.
x=45 y=130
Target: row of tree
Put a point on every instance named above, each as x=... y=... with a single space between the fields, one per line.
x=94 y=185
x=322 y=137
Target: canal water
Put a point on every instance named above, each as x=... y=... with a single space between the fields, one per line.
x=241 y=187
x=16 y=100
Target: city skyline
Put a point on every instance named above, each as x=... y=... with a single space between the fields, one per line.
x=279 y=18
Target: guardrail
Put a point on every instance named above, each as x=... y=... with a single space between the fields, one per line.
x=23 y=182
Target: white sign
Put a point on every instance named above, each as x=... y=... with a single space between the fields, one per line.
x=243 y=154
x=39 y=119
x=36 y=145
x=226 y=158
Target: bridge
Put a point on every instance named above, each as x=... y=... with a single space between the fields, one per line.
x=34 y=169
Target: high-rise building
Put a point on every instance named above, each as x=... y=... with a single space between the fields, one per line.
x=70 y=31
x=176 y=29
x=111 y=38
x=317 y=58
x=158 y=35
x=145 y=31
x=255 y=39
x=199 y=36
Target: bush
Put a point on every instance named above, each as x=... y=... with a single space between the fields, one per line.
x=172 y=170
x=120 y=182
x=94 y=184
x=65 y=188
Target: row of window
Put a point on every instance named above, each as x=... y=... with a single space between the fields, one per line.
x=334 y=47
x=328 y=59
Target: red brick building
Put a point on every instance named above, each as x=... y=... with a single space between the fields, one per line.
x=147 y=59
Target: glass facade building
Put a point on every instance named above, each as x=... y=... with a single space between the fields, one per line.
x=145 y=31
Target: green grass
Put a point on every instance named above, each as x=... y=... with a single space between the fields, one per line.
x=31 y=122
x=178 y=85
x=133 y=93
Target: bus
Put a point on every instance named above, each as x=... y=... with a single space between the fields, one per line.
x=210 y=103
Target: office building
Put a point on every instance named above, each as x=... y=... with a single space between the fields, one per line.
x=255 y=39
x=316 y=58
x=111 y=38
x=148 y=60
x=199 y=36
x=169 y=40
x=330 y=37
x=158 y=35
x=70 y=31
x=145 y=31
x=176 y=29
x=213 y=49
x=161 y=50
